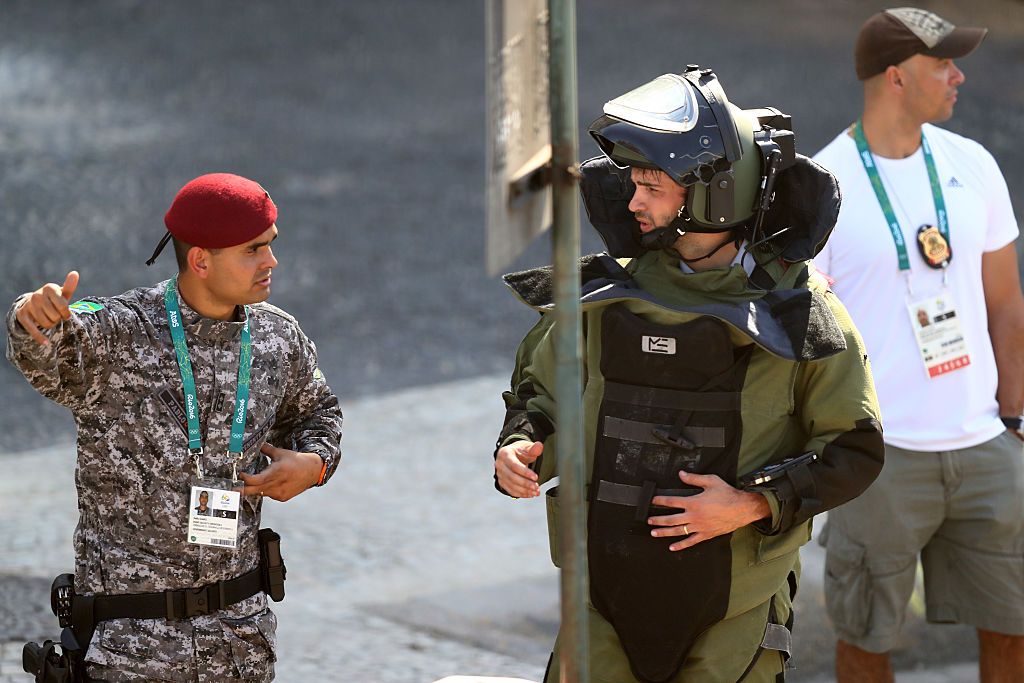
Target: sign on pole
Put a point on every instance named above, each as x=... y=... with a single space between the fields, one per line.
x=518 y=128
x=532 y=176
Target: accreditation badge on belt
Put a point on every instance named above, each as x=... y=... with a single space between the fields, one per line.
x=935 y=250
x=939 y=336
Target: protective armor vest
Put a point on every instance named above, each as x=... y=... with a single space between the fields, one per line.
x=671 y=403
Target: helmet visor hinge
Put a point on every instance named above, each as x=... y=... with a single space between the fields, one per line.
x=721 y=198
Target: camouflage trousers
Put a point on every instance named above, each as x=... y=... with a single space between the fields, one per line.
x=206 y=649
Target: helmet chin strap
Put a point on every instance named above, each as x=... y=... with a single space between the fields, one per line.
x=665 y=237
x=661 y=238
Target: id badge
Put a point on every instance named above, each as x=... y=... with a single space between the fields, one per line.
x=213 y=512
x=939 y=336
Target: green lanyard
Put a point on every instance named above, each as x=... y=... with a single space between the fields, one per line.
x=195 y=440
x=883 y=198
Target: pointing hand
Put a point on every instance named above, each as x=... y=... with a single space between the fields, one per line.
x=46 y=307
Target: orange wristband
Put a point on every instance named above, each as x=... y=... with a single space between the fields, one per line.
x=323 y=473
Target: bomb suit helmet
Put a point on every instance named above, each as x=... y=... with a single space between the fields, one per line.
x=684 y=125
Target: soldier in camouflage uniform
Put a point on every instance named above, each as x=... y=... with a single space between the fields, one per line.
x=111 y=361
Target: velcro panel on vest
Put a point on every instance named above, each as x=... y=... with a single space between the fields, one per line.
x=659 y=376
x=644 y=432
x=536 y=286
x=809 y=322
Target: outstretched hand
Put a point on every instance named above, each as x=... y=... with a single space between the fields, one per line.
x=289 y=474
x=46 y=307
x=511 y=464
x=718 y=509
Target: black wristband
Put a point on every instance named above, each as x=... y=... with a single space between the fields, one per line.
x=1015 y=424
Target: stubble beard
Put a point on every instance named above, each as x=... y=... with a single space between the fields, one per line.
x=693 y=245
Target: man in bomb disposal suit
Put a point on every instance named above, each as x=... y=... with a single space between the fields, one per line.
x=158 y=380
x=727 y=396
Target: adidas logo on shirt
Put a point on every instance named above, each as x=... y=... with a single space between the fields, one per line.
x=953 y=182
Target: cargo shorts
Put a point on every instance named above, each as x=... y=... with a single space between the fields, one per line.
x=961 y=512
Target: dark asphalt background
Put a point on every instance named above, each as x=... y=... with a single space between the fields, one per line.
x=365 y=121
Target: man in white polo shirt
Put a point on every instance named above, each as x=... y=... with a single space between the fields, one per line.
x=923 y=257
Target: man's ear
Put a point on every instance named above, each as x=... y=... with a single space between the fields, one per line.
x=199 y=262
x=894 y=77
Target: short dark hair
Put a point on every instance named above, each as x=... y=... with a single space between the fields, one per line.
x=181 y=254
x=181 y=250
x=648 y=173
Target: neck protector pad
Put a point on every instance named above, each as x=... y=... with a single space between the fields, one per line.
x=806 y=201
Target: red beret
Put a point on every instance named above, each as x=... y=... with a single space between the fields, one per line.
x=220 y=210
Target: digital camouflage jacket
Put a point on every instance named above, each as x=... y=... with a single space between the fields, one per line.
x=113 y=365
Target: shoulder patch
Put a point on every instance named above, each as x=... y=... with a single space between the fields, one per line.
x=318 y=375
x=86 y=307
x=536 y=287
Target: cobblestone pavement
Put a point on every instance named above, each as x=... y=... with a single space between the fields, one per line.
x=407 y=568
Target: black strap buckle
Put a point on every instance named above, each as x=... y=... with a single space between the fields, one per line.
x=191 y=602
x=673 y=437
x=643 y=506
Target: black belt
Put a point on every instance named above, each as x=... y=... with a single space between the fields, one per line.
x=79 y=614
x=83 y=612
x=86 y=611
x=178 y=604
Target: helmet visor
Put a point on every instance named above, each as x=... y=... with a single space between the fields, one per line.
x=687 y=157
x=668 y=103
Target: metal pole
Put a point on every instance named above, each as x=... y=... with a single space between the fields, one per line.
x=573 y=638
